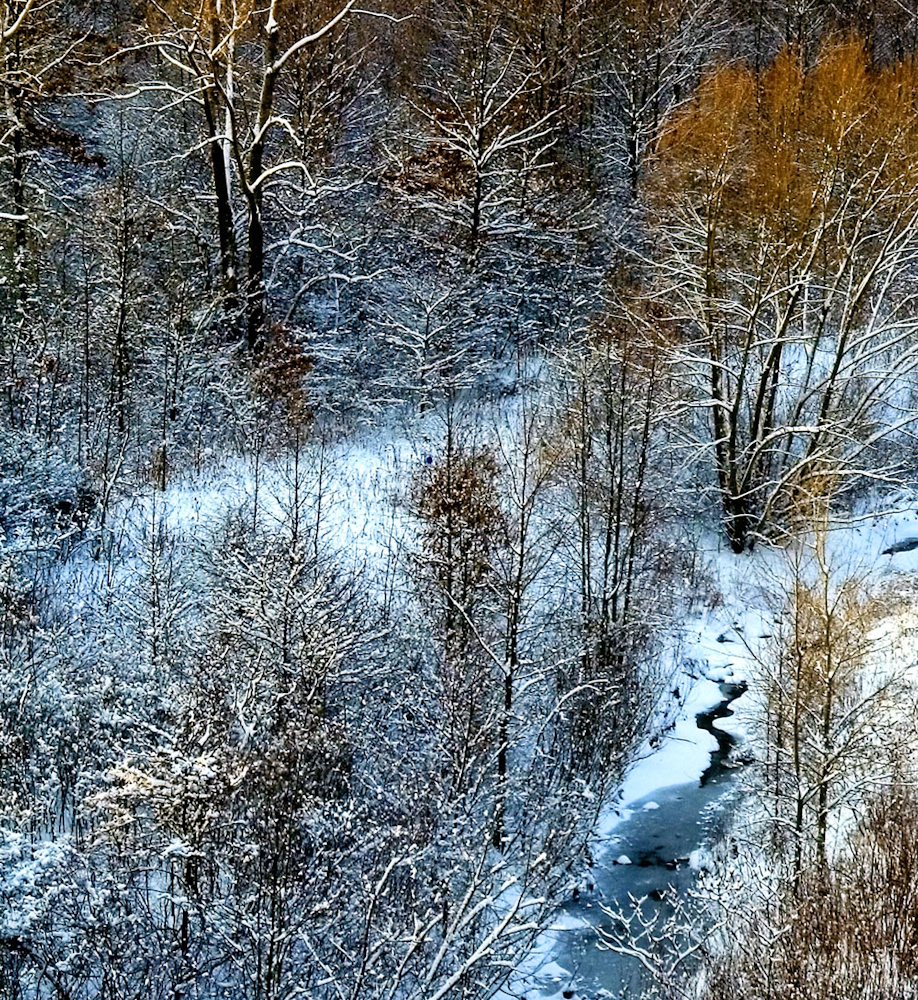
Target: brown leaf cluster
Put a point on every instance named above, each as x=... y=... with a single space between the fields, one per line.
x=780 y=151
x=457 y=500
x=436 y=169
x=851 y=932
x=280 y=376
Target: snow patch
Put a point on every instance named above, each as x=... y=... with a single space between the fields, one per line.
x=701 y=860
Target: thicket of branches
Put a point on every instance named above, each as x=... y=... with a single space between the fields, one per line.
x=614 y=265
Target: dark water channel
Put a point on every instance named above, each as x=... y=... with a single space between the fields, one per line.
x=658 y=836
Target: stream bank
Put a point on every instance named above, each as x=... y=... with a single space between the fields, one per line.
x=657 y=844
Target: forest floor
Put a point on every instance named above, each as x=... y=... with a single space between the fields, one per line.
x=353 y=500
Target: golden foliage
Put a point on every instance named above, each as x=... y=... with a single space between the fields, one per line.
x=809 y=496
x=206 y=17
x=779 y=152
x=830 y=636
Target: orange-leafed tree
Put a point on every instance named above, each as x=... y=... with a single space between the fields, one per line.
x=784 y=205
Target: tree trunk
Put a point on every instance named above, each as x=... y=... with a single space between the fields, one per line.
x=256 y=312
x=224 y=209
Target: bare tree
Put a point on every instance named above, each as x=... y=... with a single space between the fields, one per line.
x=482 y=136
x=649 y=56
x=614 y=390
x=832 y=681
x=267 y=103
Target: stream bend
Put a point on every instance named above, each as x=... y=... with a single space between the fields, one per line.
x=647 y=853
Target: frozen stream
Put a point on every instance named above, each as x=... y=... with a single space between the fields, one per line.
x=657 y=835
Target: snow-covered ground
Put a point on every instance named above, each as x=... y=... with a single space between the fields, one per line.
x=363 y=518
x=353 y=499
x=730 y=642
